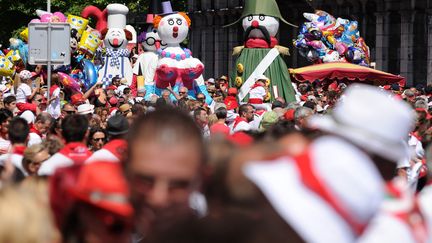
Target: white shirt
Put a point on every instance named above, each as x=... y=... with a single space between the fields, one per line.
x=54 y=108
x=34 y=139
x=56 y=161
x=241 y=126
x=15 y=159
x=102 y=155
x=257 y=93
x=4 y=144
x=23 y=91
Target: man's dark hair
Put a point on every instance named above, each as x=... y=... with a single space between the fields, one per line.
x=243 y=109
x=126 y=91
x=9 y=99
x=277 y=104
x=309 y=104
x=197 y=111
x=18 y=130
x=157 y=124
x=74 y=128
x=5 y=114
x=221 y=113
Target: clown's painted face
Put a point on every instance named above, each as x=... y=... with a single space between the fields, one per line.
x=152 y=40
x=173 y=29
x=115 y=38
x=258 y=24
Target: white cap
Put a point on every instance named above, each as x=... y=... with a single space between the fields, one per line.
x=259 y=77
x=117 y=15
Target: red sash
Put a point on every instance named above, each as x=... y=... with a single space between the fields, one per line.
x=76 y=151
x=255 y=101
x=313 y=181
x=117 y=147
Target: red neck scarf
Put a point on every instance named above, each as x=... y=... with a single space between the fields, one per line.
x=34 y=130
x=238 y=120
x=260 y=43
x=19 y=149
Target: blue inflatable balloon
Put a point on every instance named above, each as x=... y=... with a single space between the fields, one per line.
x=90 y=74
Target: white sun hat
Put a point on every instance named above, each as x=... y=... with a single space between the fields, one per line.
x=85 y=109
x=372 y=119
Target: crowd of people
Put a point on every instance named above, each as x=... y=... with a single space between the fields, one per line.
x=344 y=163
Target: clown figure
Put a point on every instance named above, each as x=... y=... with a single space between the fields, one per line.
x=176 y=66
x=145 y=67
x=116 y=60
x=260 y=54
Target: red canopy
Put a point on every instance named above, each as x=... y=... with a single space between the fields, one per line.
x=344 y=71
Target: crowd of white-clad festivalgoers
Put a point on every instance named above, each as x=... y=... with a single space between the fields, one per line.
x=147 y=150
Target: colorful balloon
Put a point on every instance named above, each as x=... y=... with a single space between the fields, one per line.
x=90 y=74
x=68 y=82
x=326 y=39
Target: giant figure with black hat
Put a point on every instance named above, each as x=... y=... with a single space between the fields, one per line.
x=261 y=54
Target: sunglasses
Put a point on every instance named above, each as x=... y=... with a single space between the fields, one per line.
x=182 y=92
x=40 y=100
x=98 y=139
x=69 y=112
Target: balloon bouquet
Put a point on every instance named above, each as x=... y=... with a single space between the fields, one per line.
x=327 y=39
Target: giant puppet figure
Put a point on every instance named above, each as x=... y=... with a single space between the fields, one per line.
x=145 y=67
x=176 y=67
x=116 y=59
x=261 y=54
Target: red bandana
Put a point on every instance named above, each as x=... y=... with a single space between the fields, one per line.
x=34 y=130
x=238 y=120
x=19 y=150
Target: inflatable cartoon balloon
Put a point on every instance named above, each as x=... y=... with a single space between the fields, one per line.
x=90 y=74
x=89 y=42
x=68 y=82
x=6 y=67
x=99 y=15
x=339 y=36
x=78 y=23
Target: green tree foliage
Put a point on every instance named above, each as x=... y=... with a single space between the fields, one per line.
x=15 y=14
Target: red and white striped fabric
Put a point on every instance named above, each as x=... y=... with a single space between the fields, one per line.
x=327 y=195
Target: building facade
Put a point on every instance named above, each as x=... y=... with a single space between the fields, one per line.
x=398 y=33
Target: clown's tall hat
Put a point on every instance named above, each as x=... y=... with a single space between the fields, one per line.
x=117 y=15
x=265 y=7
